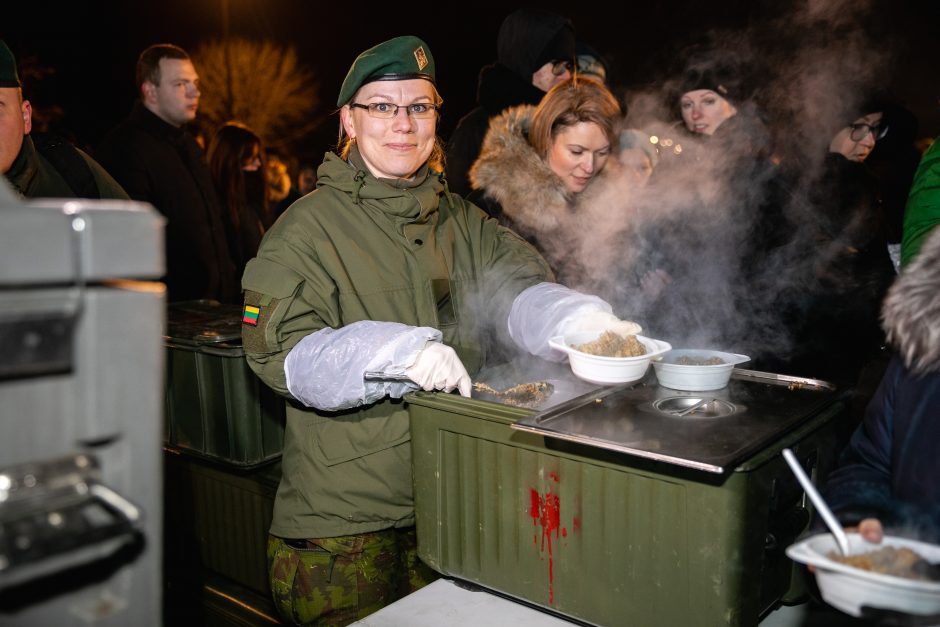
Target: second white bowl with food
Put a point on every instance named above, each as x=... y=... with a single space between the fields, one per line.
x=604 y=370
x=696 y=370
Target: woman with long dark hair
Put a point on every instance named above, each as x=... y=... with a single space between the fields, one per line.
x=237 y=164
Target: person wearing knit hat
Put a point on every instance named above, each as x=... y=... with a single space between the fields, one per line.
x=707 y=96
x=856 y=140
x=42 y=165
x=535 y=51
x=364 y=290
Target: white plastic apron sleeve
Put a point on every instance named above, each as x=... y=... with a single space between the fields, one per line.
x=549 y=309
x=358 y=364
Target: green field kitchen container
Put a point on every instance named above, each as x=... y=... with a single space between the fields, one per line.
x=618 y=513
x=216 y=408
x=221 y=518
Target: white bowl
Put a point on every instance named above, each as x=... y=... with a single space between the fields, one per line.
x=848 y=588
x=696 y=378
x=606 y=370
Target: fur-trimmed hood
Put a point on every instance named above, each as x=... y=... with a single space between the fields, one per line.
x=911 y=312
x=510 y=172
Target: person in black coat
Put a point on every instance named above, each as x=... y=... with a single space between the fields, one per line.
x=890 y=473
x=535 y=52
x=156 y=160
x=847 y=269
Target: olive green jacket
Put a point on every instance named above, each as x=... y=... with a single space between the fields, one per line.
x=363 y=249
x=33 y=176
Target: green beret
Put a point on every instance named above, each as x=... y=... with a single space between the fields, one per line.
x=398 y=59
x=8 y=75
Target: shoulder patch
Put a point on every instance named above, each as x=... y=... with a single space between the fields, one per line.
x=250 y=315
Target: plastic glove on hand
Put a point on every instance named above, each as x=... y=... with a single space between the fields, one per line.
x=603 y=321
x=437 y=367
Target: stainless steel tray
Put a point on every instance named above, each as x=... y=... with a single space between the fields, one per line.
x=644 y=420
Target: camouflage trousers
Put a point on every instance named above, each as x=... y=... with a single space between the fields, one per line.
x=337 y=581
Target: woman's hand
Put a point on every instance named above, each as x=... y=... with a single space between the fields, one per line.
x=438 y=367
x=870 y=529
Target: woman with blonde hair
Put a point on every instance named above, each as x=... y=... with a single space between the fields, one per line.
x=544 y=170
x=367 y=289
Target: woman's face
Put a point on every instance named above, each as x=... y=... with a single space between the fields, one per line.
x=399 y=146
x=703 y=110
x=856 y=150
x=252 y=163
x=578 y=154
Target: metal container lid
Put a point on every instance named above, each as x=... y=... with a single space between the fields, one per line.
x=709 y=431
x=204 y=324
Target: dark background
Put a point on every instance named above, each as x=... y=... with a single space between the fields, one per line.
x=90 y=48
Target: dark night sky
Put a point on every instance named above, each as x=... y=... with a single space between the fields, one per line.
x=93 y=45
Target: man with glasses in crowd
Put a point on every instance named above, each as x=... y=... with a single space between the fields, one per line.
x=535 y=52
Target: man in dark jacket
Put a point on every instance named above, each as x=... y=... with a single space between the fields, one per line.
x=535 y=52
x=48 y=167
x=158 y=161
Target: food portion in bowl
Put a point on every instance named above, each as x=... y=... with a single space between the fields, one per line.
x=604 y=370
x=696 y=370
x=699 y=361
x=611 y=344
x=889 y=560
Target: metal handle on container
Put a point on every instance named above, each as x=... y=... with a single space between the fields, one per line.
x=56 y=515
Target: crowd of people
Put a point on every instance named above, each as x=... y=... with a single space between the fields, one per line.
x=548 y=209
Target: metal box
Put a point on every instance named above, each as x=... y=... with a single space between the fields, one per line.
x=604 y=536
x=216 y=408
x=81 y=316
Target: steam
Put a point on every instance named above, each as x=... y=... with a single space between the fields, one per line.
x=704 y=208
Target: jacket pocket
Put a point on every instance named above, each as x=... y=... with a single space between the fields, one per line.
x=345 y=437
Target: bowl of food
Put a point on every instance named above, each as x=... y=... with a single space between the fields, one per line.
x=696 y=370
x=898 y=574
x=607 y=358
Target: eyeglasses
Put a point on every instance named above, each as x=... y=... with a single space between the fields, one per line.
x=860 y=131
x=387 y=110
x=562 y=66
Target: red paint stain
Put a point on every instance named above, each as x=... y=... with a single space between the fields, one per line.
x=575 y=524
x=546 y=512
x=554 y=476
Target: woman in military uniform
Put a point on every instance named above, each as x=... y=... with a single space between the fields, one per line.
x=379 y=283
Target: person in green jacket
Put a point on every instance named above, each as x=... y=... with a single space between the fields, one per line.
x=379 y=283
x=49 y=167
x=922 y=212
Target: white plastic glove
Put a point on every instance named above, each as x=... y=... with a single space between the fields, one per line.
x=438 y=367
x=603 y=321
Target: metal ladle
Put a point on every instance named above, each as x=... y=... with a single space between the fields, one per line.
x=841 y=539
x=693 y=408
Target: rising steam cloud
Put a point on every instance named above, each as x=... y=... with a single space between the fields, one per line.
x=812 y=67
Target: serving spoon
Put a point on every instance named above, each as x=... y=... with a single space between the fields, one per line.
x=841 y=539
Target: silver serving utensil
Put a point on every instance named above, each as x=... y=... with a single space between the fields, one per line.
x=692 y=408
x=841 y=539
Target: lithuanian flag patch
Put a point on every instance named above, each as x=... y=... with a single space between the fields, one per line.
x=250 y=315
